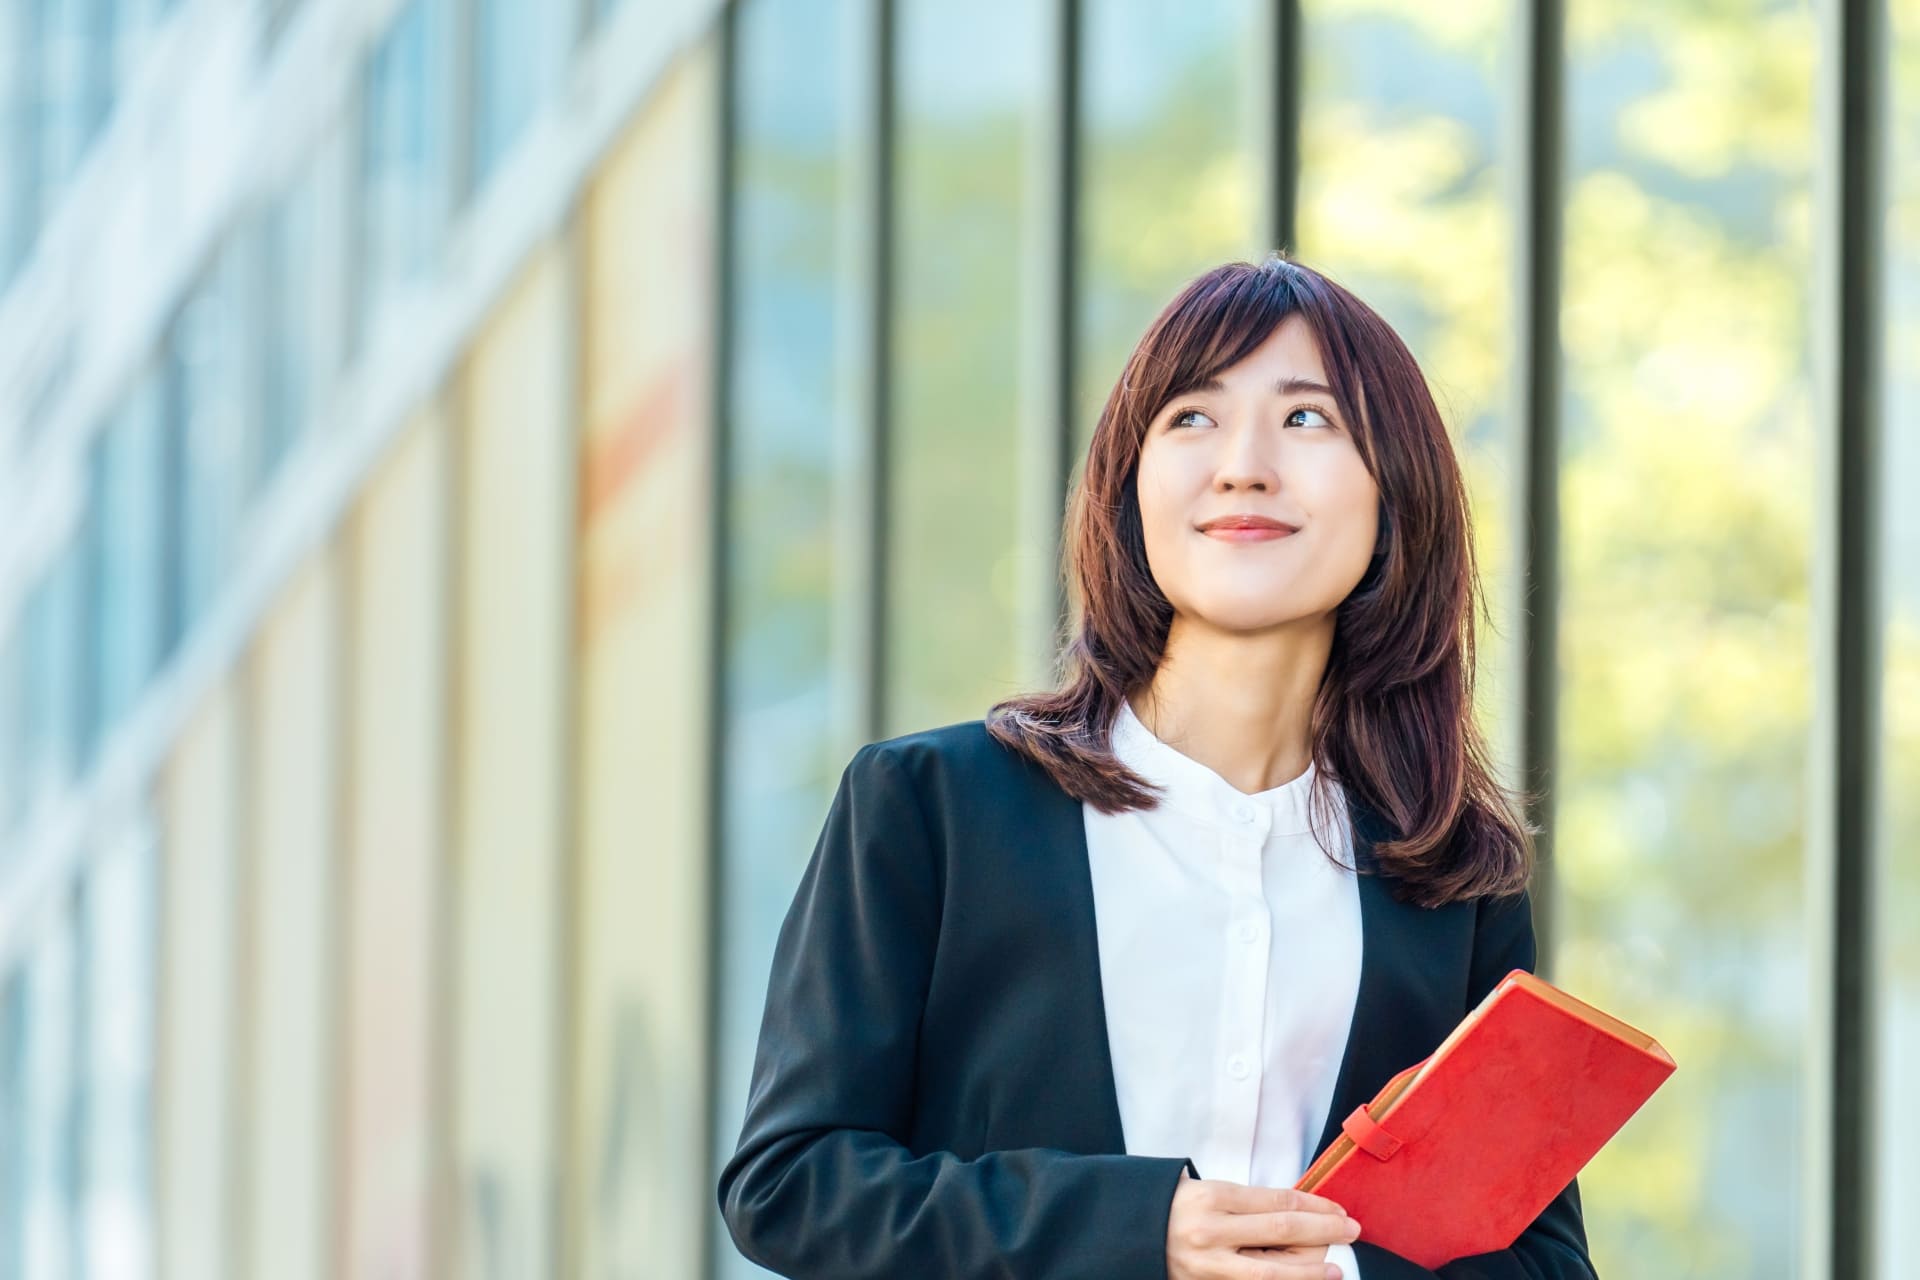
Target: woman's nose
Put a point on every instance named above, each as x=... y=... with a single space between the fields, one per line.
x=1245 y=465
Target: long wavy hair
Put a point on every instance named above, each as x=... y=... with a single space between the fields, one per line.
x=1392 y=723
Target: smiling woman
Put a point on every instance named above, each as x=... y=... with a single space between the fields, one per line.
x=1080 y=988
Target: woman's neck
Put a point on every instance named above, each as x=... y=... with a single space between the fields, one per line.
x=1239 y=703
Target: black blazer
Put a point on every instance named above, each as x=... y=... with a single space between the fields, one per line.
x=933 y=1093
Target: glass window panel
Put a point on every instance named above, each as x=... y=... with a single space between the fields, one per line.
x=98 y=83
x=1406 y=133
x=519 y=51
x=134 y=24
x=966 y=571
x=292 y=352
x=518 y=459
x=641 y=943
x=13 y=730
x=1171 y=177
x=13 y=1119
x=396 y=763
x=63 y=56
x=125 y=516
x=91 y=712
x=1897 y=1115
x=289 y=923
x=1688 y=457
x=208 y=379
x=404 y=158
x=117 y=1194
x=199 y=804
x=793 y=689
x=19 y=171
x=49 y=1231
x=275 y=17
x=53 y=695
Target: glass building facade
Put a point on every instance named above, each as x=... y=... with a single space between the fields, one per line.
x=472 y=473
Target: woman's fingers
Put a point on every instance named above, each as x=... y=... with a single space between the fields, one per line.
x=1286 y=1227
x=1234 y=1197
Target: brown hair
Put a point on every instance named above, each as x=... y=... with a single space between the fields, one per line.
x=1393 y=721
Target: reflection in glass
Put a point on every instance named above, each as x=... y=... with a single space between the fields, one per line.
x=396 y=552
x=794 y=425
x=19 y=173
x=291 y=323
x=1897 y=967
x=1688 y=451
x=13 y=730
x=13 y=1116
x=644 y=653
x=70 y=60
x=207 y=381
x=516 y=453
x=289 y=922
x=518 y=52
x=54 y=672
x=117 y=1186
x=1170 y=171
x=49 y=1232
x=126 y=528
x=1405 y=147
x=971 y=101
x=198 y=805
x=404 y=157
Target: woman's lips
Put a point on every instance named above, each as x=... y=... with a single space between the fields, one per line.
x=1247 y=533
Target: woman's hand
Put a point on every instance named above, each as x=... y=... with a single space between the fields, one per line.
x=1225 y=1231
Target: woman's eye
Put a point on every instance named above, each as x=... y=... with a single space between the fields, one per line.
x=1324 y=419
x=1179 y=419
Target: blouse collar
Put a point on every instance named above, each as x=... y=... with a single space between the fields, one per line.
x=1196 y=790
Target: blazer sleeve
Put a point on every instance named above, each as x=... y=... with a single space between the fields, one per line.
x=1554 y=1245
x=821 y=1183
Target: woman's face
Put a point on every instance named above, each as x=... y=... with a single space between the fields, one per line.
x=1265 y=441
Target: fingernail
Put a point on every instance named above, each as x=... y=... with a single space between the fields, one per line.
x=1353 y=1225
x=1333 y=1272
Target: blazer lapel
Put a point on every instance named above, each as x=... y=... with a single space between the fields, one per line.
x=1400 y=995
x=1098 y=1129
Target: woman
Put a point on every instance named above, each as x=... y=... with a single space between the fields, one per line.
x=1080 y=989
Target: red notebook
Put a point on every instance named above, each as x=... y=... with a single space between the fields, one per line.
x=1459 y=1152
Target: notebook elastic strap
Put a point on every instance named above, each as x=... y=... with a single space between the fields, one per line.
x=1367 y=1133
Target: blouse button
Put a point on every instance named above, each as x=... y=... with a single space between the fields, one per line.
x=1237 y=1067
x=1248 y=932
x=1243 y=812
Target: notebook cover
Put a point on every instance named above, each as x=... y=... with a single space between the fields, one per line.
x=1458 y=1153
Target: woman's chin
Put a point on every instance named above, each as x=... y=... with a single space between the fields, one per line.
x=1245 y=616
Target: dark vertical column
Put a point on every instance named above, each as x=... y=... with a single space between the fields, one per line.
x=1542 y=69
x=879 y=167
x=720 y=591
x=1857 y=142
x=1283 y=159
x=1061 y=299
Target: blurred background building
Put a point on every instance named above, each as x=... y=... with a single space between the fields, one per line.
x=472 y=472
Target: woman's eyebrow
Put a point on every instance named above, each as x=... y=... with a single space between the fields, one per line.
x=1284 y=387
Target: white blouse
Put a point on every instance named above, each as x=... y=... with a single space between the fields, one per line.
x=1230 y=960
